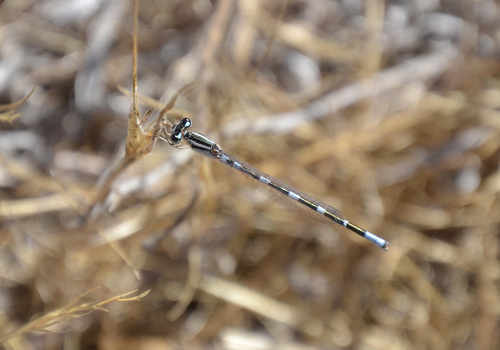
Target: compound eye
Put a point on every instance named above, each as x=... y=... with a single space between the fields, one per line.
x=176 y=138
x=186 y=122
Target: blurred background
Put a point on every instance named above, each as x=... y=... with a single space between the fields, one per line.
x=386 y=110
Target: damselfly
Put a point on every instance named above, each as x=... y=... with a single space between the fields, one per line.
x=202 y=144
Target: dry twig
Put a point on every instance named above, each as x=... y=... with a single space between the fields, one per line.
x=74 y=309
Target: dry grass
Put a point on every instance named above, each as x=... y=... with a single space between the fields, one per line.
x=388 y=111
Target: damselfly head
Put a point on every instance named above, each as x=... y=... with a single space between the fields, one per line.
x=178 y=130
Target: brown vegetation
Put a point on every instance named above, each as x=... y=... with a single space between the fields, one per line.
x=388 y=111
